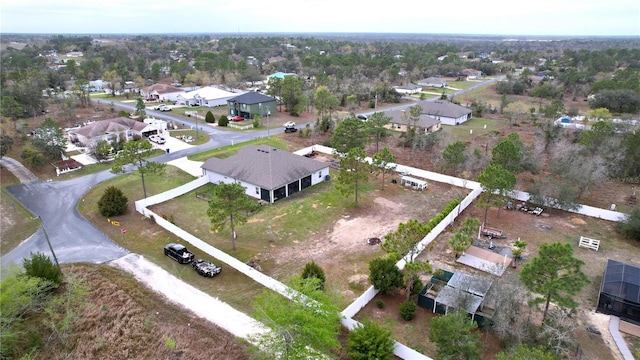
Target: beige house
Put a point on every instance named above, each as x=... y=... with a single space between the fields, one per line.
x=111 y=130
x=400 y=121
x=162 y=92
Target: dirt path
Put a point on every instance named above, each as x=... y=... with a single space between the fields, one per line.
x=16 y=168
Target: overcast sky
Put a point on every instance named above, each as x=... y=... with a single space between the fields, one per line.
x=490 y=17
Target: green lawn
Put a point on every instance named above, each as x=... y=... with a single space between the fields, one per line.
x=473 y=128
x=231 y=150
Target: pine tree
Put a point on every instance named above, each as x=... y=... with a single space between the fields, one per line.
x=113 y=202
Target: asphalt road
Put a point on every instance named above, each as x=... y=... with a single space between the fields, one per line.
x=72 y=237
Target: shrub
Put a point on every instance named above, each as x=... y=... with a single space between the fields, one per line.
x=223 y=120
x=113 y=202
x=314 y=270
x=209 y=118
x=385 y=275
x=379 y=304
x=39 y=265
x=408 y=310
x=416 y=287
x=630 y=227
x=370 y=341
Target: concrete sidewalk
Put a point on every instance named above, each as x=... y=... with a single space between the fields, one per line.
x=189 y=166
x=614 y=329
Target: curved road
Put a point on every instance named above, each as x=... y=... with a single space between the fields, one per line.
x=72 y=237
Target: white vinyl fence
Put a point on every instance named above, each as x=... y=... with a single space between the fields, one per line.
x=350 y=311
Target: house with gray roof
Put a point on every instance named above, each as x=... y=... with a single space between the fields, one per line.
x=251 y=103
x=447 y=112
x=408 y=89
x=400 y=121
x=433 y=82
x=111 y=130
x=266 y=173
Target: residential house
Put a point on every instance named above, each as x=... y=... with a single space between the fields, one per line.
x=209 y=96
x=409 y=89
x=162 y=92
x=445 y=111
x=266 y=173
x=433 y=82
x=400 y=122
x=251 y=103
x=472 y=74
x=111 y=130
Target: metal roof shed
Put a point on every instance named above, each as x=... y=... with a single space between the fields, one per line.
x=463 y=292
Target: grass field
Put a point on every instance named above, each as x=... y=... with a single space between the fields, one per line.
x=17 y=223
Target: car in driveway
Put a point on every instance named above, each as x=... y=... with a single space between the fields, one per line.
x=238 y=118
x=206 y=268
x=157 y=139
x=162 y=107
x=178 y=253
x=362 y=117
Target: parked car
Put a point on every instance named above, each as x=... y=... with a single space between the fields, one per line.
x=289 y=124
x=178 y=253
x=362 y=117
x=206 y=268
x=162 y=107
x=157 y=139
x=237 y=118
x=290 y=129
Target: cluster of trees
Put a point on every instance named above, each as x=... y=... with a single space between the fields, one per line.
x=37 y=293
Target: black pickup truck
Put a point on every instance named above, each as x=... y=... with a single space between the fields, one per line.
x=178 y=253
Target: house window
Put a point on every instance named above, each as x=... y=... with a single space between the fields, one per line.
x=244 y=106
x=257 y=190
x=320 y=175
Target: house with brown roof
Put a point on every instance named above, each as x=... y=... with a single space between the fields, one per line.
x=266 y=173
x=445 y=111
x=162 y=92
x=471 y=74
x=111 y=130
x=400 y=121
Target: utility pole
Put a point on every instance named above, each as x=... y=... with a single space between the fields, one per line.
x=46 y=236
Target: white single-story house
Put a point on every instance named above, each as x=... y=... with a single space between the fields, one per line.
x=266 y=173
x=209 y=96
x=445 y=111
x=111 y=130
x=433 y=82
x=408 y=89
x=400 y=122
x=161 y=125
x=162 y=92
x=472 y=74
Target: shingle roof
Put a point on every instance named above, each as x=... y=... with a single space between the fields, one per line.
x=398 y=117
x=443 y=108
x=162 y=89
x=209 y=93
x=264 y=166
x=252 y=97
x=110 y=126
x=409 y=87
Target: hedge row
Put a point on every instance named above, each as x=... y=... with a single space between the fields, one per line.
x=438 y=218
